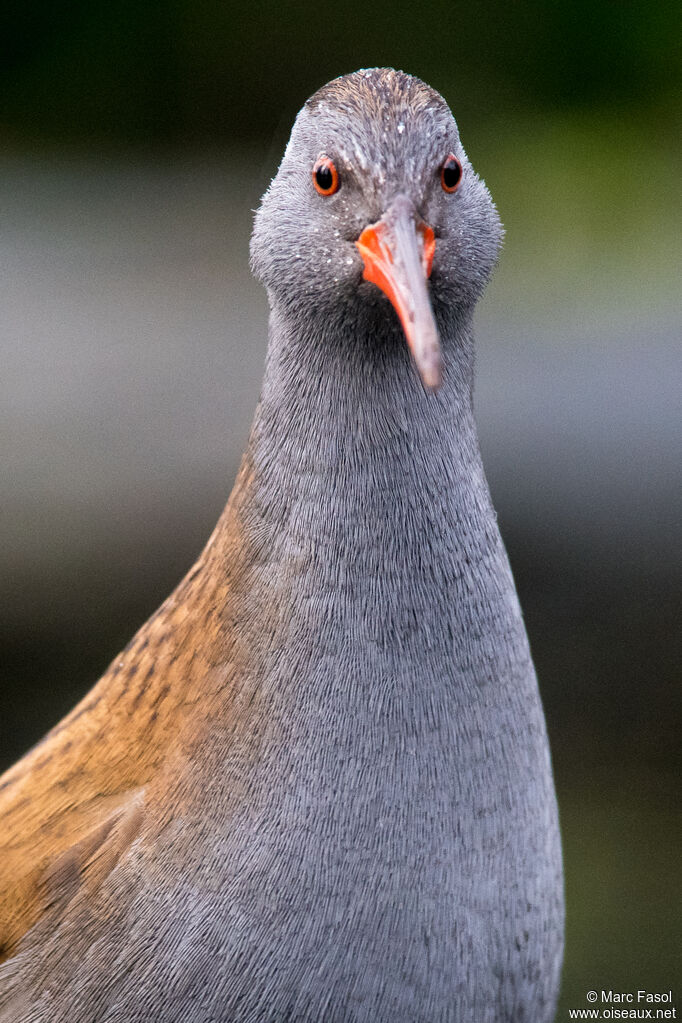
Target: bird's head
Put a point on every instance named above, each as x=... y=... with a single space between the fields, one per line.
x=376 y=197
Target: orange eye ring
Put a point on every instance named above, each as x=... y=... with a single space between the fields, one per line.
x=451 y=173
x=325 y=176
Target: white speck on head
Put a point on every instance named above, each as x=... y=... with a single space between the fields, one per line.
x=349 y=261
x=401 y=128
x=360 y=157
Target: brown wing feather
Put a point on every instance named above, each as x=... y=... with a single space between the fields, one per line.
x=74 y=803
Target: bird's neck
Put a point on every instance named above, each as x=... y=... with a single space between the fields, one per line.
x=365 y=495
x=342 y=403
x=358 y=562
x=360 y=553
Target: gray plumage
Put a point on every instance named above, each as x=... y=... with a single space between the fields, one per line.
x=350 y=815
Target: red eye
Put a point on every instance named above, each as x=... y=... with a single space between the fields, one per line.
x=325 y=176
x=451 y=174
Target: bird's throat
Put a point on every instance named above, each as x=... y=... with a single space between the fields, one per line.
x=366 y=495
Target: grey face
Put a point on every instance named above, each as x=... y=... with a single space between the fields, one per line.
x=388 y=136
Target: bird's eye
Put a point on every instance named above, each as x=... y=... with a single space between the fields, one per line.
x=325 y=176
x=451 y=174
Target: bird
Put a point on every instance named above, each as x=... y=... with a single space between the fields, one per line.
x=316 y=785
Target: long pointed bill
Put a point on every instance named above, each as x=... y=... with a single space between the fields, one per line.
x=398 y=253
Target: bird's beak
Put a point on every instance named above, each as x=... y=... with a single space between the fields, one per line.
x=398 y=252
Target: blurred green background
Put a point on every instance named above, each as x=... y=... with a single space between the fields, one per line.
x=136 y=139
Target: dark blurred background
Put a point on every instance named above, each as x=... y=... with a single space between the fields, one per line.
x=136 y=140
